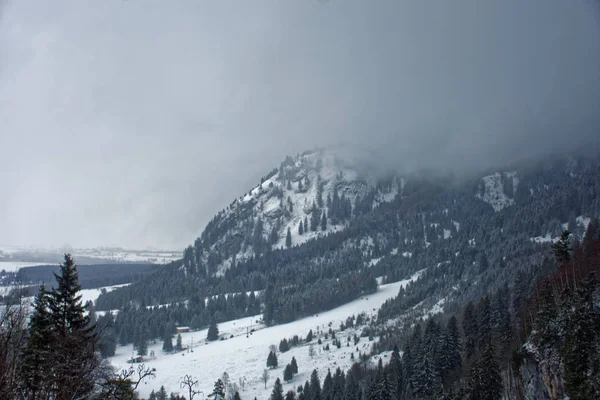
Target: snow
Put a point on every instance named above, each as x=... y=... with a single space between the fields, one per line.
x=493 y=191
x=407 y=254
x=93 y=294
x=14 y=266
x=543 y=239
x=581 y=220
x=457 y=225
x=447 y=234
x=245 y=357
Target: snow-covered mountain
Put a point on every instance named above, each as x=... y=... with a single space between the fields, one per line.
x=462 y=238
x=303 y=188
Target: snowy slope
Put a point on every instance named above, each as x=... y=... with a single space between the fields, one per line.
x=286 y=198
x=245 y=357
x=494 y=188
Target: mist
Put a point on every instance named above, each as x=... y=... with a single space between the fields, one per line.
x=130 y=123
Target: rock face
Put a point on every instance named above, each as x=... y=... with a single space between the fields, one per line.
x=541 y=374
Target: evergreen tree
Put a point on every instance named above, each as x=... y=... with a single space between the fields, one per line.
x=179 y=345
x=290 y=395
x=294 y=365
x=277 y=393
x=309 y=337
x=36 y=358
x=315 y=386
x=324 y=221
x=142 y=349
x=218 y=390
x=288 y=239
x=484 y=323
x=236 y=396
x=74 y=339
x=327 y=389
x=562 y=248
x=287 y=373
x=162 y=394
x=491 y=380
x=470 y=330
x=300 y=229
x=213 y=330
x=272 y=360
x=167 y=342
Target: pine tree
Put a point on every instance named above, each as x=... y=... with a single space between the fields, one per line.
x=294 y=365
x=272 y=360
x=290 y=395
x=300 y=229
x=315 y=386
x=236 y=396
x=74 y=340
x=36 y=362
x=309 y=337
x=288 y=239
x=218 y=390
x=179 y=345
x=484 y=322
x=167 y=342
x=327 y=386
x=277 y=393
x=492 y=380
x=162 y=394
x=562 y=248
x=142 y=349
x=470 y=330
x=324 y=221
x=213 y=330
x=287 y=373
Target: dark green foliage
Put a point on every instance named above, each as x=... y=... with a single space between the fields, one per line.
x=288 y=239
x=218 y=389
x=294 y=365
x=36 y=358
x=562 y=248
x=272 y=360
x=287 y=373
x=168 y=342
x=277 y=393
x=213 y=331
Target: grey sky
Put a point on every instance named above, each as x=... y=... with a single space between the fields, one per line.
x=132 y=122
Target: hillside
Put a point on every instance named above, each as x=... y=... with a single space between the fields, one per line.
x=468 y=238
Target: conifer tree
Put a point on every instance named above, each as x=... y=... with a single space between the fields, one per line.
x=74 y=339
x=218 y=390
x=277 y=393
x=300 y=229
x=179 y=344
x=287 y=373
x=315 y=386
x=213 y=330
x=470 y=330
x=167 y=342
x=36 y=358
x=324 y=221
x=294 y=365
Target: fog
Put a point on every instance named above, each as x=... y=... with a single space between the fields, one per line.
x=131 y=123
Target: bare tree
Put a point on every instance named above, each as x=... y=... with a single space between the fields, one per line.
x=124 y=385
x=13 y=330
x=311 y=351
x=189 y=383
x=265 y=377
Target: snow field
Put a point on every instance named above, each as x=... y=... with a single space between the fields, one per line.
x=245 y=357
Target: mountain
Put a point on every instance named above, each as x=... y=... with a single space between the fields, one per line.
x=468 y=236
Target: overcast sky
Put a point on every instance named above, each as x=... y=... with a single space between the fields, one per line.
x=132 y=122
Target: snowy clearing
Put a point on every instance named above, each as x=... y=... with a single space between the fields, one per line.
x=245 y=357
